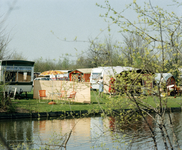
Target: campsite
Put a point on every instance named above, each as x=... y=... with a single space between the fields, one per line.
x=68 y=94
x=90 y=75
x=83 y=83
x=60 y=84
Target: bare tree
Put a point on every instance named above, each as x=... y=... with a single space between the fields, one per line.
x=104 y=54
x=4 y=38
x=4 y=41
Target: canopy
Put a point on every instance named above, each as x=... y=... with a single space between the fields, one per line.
x=51 y=72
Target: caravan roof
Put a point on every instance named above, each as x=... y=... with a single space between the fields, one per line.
x=85 y=70
x=99 y=69
x=12 y=62
x=116 y=70
x=112 y=70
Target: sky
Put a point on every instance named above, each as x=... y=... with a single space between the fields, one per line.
x=37 y=28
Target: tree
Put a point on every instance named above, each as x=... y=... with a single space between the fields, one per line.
x=4 y=41
x=83 y=62
x=49 y=64
x=159 y=29
x=5 y=103
x=4 y=38
x=18 y=56
x=44 y=65
x=104 y=54
x=65 y=63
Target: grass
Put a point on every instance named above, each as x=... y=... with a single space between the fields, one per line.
x=33 y=105
x=97 y=103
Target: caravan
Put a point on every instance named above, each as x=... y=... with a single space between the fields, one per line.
x=16 y=75
x=63 y=77
x=96 y=73
x=106 y=73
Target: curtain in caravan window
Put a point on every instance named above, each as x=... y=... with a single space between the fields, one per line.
x=24 y=76
x=28 y=76
x=20 y=77
x=10 y=76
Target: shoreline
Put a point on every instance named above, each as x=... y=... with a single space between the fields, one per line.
x=82 y=113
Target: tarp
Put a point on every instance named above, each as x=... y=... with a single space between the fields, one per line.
x=165 y=77
x=113 y=72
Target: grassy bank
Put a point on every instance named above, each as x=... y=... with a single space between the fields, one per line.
x=97 y=103
x=33 y=105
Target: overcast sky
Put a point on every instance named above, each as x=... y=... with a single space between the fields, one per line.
x=34 y=25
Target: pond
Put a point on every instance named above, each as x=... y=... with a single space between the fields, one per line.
x=87 y=133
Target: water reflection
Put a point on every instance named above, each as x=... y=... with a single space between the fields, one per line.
x=132 y=130
x=16 y=131
x=138 y=132
x=87 y=133
x=80 y=129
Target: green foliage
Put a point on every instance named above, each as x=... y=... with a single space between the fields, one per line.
x=153 y=45
x=5 y=102
x=63 y=63
x=32 y=105
x=117 y=102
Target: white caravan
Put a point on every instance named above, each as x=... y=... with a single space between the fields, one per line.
x=96 y=73
x=65 y=76
x=106 y=73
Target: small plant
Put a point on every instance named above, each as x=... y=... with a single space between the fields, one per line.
x=5 y=102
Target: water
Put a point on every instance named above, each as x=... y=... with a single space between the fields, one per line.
x=87 y=133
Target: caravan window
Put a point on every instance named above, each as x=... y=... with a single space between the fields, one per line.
x=24 y=76
x=96 y=76
x=10 y=76
x=17 y=73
